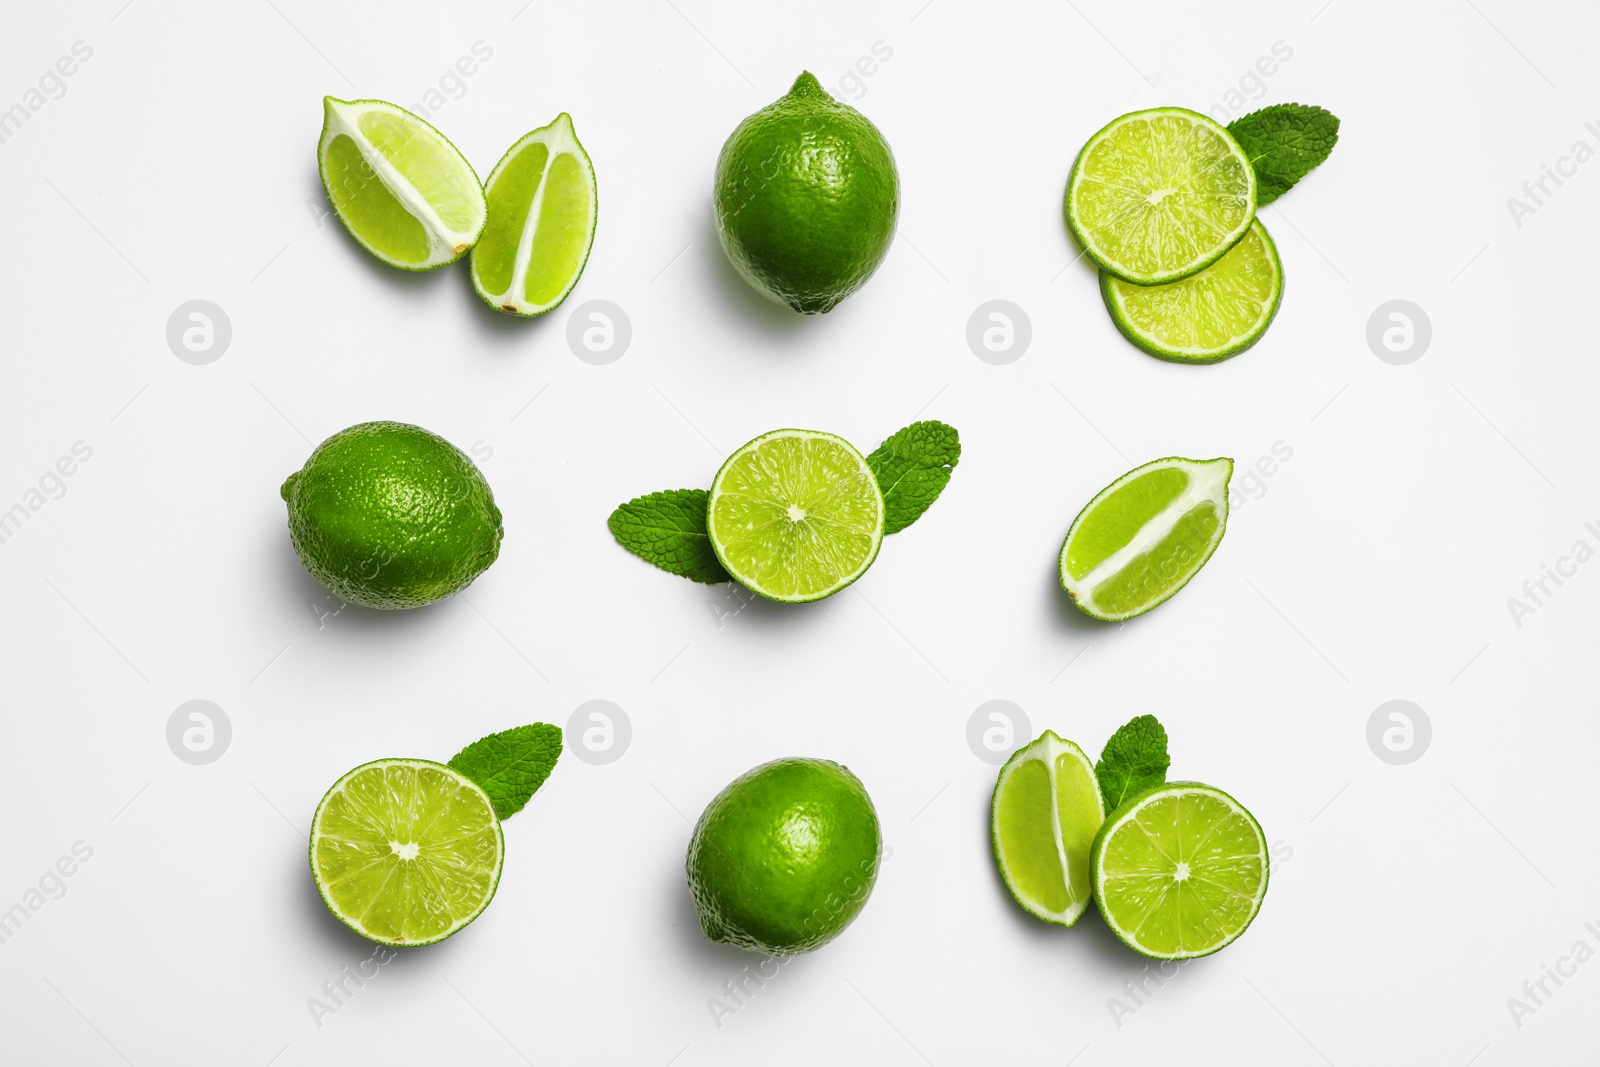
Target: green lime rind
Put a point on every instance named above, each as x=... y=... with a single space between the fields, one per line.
x=1209 y=867
x=1047 y=749
x=509 y=213
x=1077 y=587
x=470 y=788
x=445 y=244
x=388 y=515
x=784 y=858
x=1207 y=252
x=1231 y=278
x=722 y=522
x=806 y=195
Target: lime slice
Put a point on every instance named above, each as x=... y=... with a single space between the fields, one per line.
x=1206 y=317
x=796 y=515
x=398 y=185
x=1180 y=870
x=1044 y=816
x=542 y=204
x=406 y=851
x=1159 y=195
x=1145 y=535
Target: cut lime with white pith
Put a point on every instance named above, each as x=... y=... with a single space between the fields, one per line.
x=1044 y=815
x=1145 y=535
x=1180 y=870
x=542 y=211
x=796 y=515
x=398 y=185
x=1206 y=317
x=406 y=851
x=1159 y=195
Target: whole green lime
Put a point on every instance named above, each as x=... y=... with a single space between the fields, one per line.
x=806 y=199
x=784 y=858
x=388 y=515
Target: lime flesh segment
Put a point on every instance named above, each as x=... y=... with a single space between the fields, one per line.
x=1044 y=815
x=406 y=852
x=1180 y=870
x=1159 y=195
x=796 y=515
x=399 y=187
x=1145 y=535
x=542 y=211
x=1206 y=317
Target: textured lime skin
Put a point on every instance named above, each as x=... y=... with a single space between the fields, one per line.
x=785 y=857
x=806 y=199
x=388 y=515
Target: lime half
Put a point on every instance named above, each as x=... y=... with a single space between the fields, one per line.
x=406 y=851
x=796 y=515
x=1043 y=818
x=398 y=185
x=1180 y=870
x=1145 y=535
x=1206 y=317
x=1159 y=195
x=542 y=202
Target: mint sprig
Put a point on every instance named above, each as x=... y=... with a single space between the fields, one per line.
x=912 y=468
x=669 y=529
x=1284 y=142
x=1133 y=760
x=511 y=765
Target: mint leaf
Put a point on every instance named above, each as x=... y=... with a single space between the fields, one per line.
x=511 y=764
x=1285 y=142
x=669 y=529
x=912 y=469
x=1133 y=760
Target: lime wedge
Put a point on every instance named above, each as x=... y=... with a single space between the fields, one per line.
x=1206 y=317
x=1159 y=195
x=796 y=515
x=398 y=185
x=1043 y=819
x=1180 y=870
x=1145 y=535
x=542 y=204
x=406 y=851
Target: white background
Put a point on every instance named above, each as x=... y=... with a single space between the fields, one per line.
x=1409 y=902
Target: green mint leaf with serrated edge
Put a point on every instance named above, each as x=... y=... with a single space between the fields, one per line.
x=1133 y=760
x=669 y=529
x=1285 y=142
x=912 y=469
x=511 y=765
